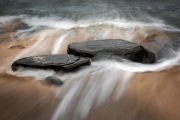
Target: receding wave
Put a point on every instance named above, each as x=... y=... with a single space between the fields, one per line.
x=104 y=82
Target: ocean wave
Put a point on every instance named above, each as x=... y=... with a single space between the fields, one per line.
x=84 y=23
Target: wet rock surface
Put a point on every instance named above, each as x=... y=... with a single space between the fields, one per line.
x=113 y=49
x=53 y=80
x=55 y=62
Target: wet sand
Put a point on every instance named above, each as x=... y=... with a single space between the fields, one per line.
x=148 y=96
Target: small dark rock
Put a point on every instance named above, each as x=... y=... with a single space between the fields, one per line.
x=112 y=48
x=55 y=62
x=52 y=80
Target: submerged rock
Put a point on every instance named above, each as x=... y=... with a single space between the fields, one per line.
x=112 y=48
x=55 y=62
x=52 y=80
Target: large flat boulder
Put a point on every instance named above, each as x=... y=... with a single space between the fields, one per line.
x=112 y=48
x=55 y=62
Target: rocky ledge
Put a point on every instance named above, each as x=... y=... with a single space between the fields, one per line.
x=112 y=49
x=79 y=54
x=55 y=62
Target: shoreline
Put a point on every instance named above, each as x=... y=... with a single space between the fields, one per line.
x=141 y=98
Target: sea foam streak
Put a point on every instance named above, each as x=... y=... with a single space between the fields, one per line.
x=92 y=84
x=87 y=22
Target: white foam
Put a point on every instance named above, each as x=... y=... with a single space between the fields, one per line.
x=121 y=23
x=102 y=77
x=8 y=18
x=34 y=48
x=65 y=104
x=57 y=44
x=39 y=74
x=90 y=85
x=138 y=67
x=125 y=77
x=58 y=23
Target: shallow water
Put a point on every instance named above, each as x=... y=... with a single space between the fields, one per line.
x=107 y=89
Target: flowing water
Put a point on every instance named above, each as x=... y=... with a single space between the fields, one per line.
x=105 y=90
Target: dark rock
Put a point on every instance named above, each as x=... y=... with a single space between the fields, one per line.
x=55 y=62
x=52 y=80
x=114 y=49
